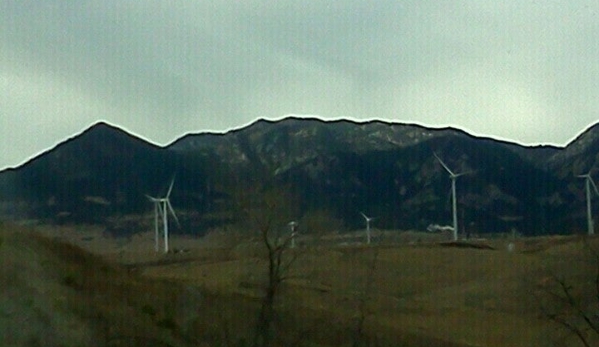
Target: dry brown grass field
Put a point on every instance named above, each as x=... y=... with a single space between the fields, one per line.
x=79 y=287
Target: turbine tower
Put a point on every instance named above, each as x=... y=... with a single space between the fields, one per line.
x=162 y=207
x=293 y=226
x=588 y=182
x=453 y=176
x=368 y=219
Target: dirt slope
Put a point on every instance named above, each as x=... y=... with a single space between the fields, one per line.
x=54 y=294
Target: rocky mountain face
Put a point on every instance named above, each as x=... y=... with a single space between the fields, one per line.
x=102 y=172
x=386 y=170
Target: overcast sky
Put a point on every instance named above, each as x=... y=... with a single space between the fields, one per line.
x=526 y=71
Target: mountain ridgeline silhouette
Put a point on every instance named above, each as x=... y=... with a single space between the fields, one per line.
x=387 y=170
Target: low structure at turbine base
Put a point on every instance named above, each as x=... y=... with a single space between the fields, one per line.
x=436 y=228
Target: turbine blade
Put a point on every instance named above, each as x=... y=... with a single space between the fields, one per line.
x=170 y=188
x=170 y=207
x=151 y=198
x=588 y=177
x=443 y=164
x=363 y=215
x=593 y=184
x=463 y=173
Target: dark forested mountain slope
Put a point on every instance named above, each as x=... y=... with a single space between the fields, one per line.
x=385 y=169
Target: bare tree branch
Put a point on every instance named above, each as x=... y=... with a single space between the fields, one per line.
x=571 y=308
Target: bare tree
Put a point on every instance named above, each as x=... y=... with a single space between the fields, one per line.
x=573 y=303
x=278 y=272
x=268 y=211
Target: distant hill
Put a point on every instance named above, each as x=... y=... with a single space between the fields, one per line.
x=384 y=169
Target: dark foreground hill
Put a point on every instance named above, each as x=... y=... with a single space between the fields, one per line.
x=386 y=170
x=56 y=294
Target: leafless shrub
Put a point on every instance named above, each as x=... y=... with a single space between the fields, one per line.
x=267 y=211
x=573 y=302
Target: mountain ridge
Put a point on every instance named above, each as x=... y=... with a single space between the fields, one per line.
x=361 y=122
x=341 y=166
x=97 y=127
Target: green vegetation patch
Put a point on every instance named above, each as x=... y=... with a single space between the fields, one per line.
x=167 y=323
x=149 y=310
x=73 y=280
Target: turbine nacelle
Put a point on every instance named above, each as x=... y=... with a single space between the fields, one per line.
x=368 y=219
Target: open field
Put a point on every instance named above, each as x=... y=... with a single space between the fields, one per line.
x=413 y=291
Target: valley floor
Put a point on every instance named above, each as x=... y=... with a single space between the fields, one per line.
x=409 y=293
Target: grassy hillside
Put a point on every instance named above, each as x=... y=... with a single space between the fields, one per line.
x=56 y=294
x=419 y=294
x=412 y=295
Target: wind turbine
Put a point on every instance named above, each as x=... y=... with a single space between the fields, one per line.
x=588 y=183
x=162 y=207
x=368 y=219
x=453 y=176
x=293 y=226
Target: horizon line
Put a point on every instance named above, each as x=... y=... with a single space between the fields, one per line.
x=295 y=116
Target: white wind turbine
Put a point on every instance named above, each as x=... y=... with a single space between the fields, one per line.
x=368 y=219
x=162 y=207
x=588 y=183
x=293 y=226
x=453 y=177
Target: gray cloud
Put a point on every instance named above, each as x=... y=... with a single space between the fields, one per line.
x=524 y=71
